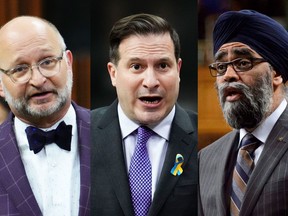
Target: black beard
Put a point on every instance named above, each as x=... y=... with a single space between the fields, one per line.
x=253 y=106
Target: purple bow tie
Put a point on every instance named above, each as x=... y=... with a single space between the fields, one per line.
x=38 y=138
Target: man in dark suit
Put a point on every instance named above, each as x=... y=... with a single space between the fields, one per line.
x=245 y=172
x=145 y=69
x=44 y=143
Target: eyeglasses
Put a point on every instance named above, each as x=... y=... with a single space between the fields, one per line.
x=48 y=67
x=239 y=65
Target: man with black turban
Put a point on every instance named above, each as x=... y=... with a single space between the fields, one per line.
x=246 y=171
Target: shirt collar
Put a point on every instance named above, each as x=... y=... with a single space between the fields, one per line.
x=128 y=126
x=263 y=130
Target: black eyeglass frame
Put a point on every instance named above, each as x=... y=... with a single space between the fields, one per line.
x=215 y=73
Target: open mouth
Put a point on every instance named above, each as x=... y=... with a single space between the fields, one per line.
x=232 y=94
x=40 y=95
x=150 y=100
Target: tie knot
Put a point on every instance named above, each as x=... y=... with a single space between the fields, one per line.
x=144 y=133
x=250 y=143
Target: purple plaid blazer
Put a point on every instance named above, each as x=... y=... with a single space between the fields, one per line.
x=16 y=196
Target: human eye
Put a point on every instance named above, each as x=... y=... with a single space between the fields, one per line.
x=221 y=67
x=163 y=66
x=243 y=64
x=48 y=63
x=135 y=67
x=18 y=70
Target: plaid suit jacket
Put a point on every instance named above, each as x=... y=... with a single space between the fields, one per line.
x=16 y=196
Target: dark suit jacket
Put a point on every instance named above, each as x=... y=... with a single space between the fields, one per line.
x=16 y=196
x=174 y=195
x=267 y=189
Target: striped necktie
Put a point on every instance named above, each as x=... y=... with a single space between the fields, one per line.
x=140 y=174
x=242 y=171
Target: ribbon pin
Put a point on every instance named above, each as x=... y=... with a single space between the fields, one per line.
x=177 y=169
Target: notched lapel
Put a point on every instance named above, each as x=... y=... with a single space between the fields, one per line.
x=83 y=127
x=183 y=140
x=12 y=173
x=109 y=129
x=275 y=147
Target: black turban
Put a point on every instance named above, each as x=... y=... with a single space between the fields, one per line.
x=263 y=34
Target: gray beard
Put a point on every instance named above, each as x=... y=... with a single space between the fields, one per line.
x=253 y=106
x=22 y=106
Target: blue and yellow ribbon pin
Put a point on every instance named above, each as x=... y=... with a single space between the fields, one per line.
x=177 y=169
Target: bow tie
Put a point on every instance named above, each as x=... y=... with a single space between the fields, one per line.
x=38 y=138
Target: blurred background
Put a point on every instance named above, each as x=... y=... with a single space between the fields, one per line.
x=210 y=120
x=72 y=18
x=182 y=15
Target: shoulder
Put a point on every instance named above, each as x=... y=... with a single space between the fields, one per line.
x=82 y=112
x=220 y=144
x=98 y=114
x=7 y=126
x=186 y=117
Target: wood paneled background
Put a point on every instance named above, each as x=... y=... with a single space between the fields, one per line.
x=211 y=124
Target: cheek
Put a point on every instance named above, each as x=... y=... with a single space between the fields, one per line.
x=171 y=83
x=16 y=91
x=126 y=82
x=60 y=79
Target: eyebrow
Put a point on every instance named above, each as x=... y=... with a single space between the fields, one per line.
x=237 y=51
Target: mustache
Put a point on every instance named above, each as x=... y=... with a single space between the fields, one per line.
x=223 y=88
x=41 y=90
x=147 y=92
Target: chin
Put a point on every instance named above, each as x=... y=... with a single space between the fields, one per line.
x=150 y=119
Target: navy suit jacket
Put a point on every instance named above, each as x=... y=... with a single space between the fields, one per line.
x=110 y=194
x=16 y=196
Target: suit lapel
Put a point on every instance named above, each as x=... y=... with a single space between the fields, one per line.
x=224 y=170
x=114 y=155
x=274 y=148
x=181 y=142
x=83 y=127
x=12 y=172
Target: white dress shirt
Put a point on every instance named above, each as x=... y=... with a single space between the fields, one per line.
x=156 y=145
x=263 y=130
x=53 y=173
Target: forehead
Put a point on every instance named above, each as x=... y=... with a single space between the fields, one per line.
x=146 y=45
x=26 y=38
x=235 y=49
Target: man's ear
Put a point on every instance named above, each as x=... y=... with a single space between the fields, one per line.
x=277 y=79
x=112 y=72
x=2 y=94
x=69 y=57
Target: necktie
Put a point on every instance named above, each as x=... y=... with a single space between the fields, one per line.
x=140 y=174
x=242 y=171
x=38 y=138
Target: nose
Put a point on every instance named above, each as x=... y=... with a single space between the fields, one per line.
x=230 y=75
x=37 y=79
x=150 y=79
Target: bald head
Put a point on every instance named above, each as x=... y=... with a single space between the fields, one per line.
x=29 y=24
x=27 y=36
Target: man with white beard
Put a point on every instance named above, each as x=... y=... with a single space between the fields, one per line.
x=45 y=141
x=245 y=172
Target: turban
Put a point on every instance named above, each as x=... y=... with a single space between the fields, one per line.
x=258 y=31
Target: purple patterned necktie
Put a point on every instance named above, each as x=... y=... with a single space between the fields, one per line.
x=140 y=174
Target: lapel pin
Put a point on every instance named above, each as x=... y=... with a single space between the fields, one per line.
x=280 y=139
x=177 y=169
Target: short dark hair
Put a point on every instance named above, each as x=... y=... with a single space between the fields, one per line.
x=140 y=24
